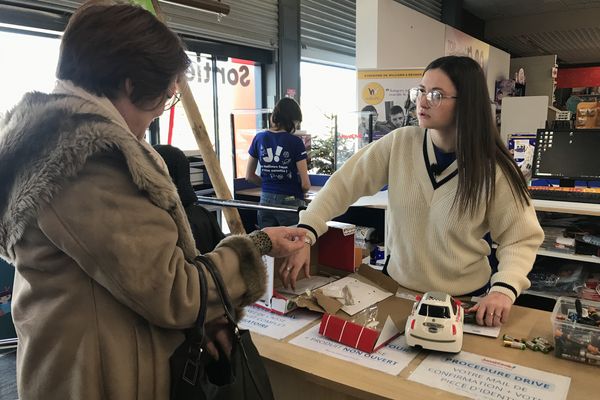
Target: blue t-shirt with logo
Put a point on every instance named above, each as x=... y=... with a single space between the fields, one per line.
x=278 y=153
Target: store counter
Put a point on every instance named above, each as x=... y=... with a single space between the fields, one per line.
x=378 y=200
x=254 y=193
x=300 y=374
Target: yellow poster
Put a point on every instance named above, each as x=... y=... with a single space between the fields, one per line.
x=384 y=102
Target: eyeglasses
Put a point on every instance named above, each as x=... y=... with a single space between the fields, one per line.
x=434 y=97
x=172 y=100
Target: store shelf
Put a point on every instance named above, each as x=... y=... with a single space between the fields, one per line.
x=541 y=294
x=568 y=207
x=577 y=257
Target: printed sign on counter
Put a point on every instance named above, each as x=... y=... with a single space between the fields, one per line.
x=480 y=377
x=274 y=325
x=390 y=359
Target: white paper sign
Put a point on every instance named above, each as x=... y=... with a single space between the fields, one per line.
x=275 y=325
x=474 y=329
x=480 y=377
x=391 y=359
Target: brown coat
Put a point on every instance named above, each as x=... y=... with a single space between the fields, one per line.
x=100 y=241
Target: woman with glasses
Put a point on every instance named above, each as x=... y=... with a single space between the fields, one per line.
x=283 y=168
x=105 y=282
x=450 y=182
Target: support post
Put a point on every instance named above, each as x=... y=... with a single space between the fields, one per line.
x=232 y=216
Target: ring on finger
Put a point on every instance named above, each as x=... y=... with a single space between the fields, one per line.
x=288 y=269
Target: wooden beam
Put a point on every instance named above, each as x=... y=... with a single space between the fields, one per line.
x=232 y=216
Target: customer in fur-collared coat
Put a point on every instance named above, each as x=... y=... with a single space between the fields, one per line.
x=104 y=285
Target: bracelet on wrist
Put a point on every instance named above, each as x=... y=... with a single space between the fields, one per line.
x=262 y=241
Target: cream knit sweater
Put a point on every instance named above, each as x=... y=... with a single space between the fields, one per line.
x=431 y=245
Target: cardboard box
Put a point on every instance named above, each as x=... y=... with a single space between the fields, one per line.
x=338 y=241
x=337 y=325
x=271 y=299
x=336 y=247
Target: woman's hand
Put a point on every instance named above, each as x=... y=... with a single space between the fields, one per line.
x=219 y=338
x=292 y=265
x=286 y=241
x=493 y=309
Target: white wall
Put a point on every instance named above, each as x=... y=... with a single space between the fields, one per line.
x=367 y=23
x=523 y=115
x=390 y=35
x=406 y=38
x=497 y=68
x=538 y=74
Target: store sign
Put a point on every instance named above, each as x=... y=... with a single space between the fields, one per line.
x=480 y=377
x=235 y=75
x=391 y=359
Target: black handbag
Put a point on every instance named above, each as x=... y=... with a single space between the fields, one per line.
x=195 y=375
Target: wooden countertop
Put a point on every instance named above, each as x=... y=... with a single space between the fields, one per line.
x=298 y=373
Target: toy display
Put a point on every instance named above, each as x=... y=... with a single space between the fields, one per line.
x=577 y=330
x=587 y=115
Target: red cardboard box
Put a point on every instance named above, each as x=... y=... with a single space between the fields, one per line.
x=336 y=247
x=355 y=335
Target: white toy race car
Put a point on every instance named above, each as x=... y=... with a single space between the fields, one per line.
x=436 y=323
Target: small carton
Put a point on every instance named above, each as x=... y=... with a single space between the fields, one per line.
x=336 y=247
x=272 y=300
x=577 y=333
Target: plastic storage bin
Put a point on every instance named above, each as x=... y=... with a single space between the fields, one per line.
x=577 y=336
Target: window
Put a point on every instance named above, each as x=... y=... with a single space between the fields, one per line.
x=220 y=87
x=327 y=90
x=328 y=100
x=433 y=311
x=28 y=63
x=174 y=126
x=239 y=88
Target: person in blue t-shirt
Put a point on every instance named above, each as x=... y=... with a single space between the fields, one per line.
x=283 y=168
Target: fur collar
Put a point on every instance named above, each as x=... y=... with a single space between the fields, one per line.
x=46 y=139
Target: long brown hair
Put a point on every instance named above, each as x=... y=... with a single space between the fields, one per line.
x=478 y=145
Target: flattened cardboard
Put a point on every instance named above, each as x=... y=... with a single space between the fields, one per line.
x=364 y=294
x=303 y=285
x=319 y=303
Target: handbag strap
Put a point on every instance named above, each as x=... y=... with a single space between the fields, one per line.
x=229 y=311
x=220 y=285
x=198 y=329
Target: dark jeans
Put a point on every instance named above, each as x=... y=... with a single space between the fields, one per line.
x=278 y=218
